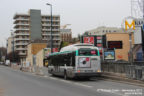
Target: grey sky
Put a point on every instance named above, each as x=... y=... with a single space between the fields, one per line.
x=83 y=15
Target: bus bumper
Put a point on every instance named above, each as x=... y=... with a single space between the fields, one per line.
x=87 y=74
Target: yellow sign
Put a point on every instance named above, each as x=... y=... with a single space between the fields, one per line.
x=129 y=25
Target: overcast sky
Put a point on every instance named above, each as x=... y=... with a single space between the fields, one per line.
x=83 y=15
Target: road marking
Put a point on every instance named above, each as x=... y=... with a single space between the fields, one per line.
x=45 y=76
x=71 y=82
x=83 y=85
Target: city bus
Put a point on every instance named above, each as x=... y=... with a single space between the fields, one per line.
x=74 y=61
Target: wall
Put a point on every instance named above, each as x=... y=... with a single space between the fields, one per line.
x=124 y=37
x=39 y=58
x=33 y=49
x=29 y=57
x=36 y=47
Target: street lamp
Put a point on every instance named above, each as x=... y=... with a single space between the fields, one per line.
x=51 y=29
x=12 y=34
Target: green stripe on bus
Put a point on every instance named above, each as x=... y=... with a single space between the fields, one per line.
x=76 y=52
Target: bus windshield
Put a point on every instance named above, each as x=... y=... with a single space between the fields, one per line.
x=88 y=52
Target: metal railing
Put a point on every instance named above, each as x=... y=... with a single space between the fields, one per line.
x=135 y=71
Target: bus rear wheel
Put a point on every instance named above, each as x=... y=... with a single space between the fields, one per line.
x=65 y=76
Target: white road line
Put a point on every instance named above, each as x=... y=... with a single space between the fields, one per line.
x=71 y=82
x=83 y=85
x=45 y=76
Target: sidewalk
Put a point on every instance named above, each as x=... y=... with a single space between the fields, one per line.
x=117 y=77
x=121 y=78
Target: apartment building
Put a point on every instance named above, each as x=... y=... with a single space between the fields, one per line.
x=66 y=35
x=35 y=26
x=10 y=43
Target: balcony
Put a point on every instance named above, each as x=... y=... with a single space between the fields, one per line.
x=22 y=19
x=21 y=44
x=24 y=29
x=16 y=39
x=44 y=34
x=50 y=29
x=18 y=49
x=20 y=24
x=50 y=25
x=22 y=34
x=50 y=20
x=50 y=39
x=22 y=53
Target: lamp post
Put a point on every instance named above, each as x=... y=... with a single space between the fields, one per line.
x=51 y=29
x=12 y=34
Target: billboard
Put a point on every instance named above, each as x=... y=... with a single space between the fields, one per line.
x=89 y=40
x=109 y=55
x=47 y=51
x=115 y=44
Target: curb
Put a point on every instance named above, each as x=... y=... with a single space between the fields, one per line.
x=123 y=80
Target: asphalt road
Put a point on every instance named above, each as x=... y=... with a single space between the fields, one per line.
x=17 y=83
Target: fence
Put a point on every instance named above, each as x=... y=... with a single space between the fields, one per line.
x=134 y=71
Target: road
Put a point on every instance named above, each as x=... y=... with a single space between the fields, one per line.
x=17 y=83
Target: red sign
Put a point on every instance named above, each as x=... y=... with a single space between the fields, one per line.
x=93 y=52
x=55 y=49
x=99 y=38
x=89 y=40
x=99 y=45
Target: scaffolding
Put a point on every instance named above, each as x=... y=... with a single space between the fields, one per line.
x=137 y=8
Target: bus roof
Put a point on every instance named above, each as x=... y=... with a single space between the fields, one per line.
x=75 y=47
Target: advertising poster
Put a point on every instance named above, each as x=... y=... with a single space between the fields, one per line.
x=89 y=40
x=47 y=51
x=109 y=55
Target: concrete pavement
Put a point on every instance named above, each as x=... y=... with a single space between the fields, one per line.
x=17 y=83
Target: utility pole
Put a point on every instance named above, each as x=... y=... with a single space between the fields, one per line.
x=51 y=40
x=131 y=54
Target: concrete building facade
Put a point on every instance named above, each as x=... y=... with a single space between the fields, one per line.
x=9 y=45
x=66 y=35
x=32 y=26
x=33 y=49
x=103 y=30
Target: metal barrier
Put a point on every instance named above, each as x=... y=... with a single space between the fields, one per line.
x=142 y=73
x=138 y=72
x=130 y=71
x=114 y=67
x=135 y=71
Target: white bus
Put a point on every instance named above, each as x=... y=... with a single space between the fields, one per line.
x=78 y=60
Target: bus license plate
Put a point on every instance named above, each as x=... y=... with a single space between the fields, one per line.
x=88 y=70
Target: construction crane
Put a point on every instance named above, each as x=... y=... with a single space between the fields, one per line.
x=64 y=26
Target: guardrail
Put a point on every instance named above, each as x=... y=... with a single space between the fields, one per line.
x=135 y=71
